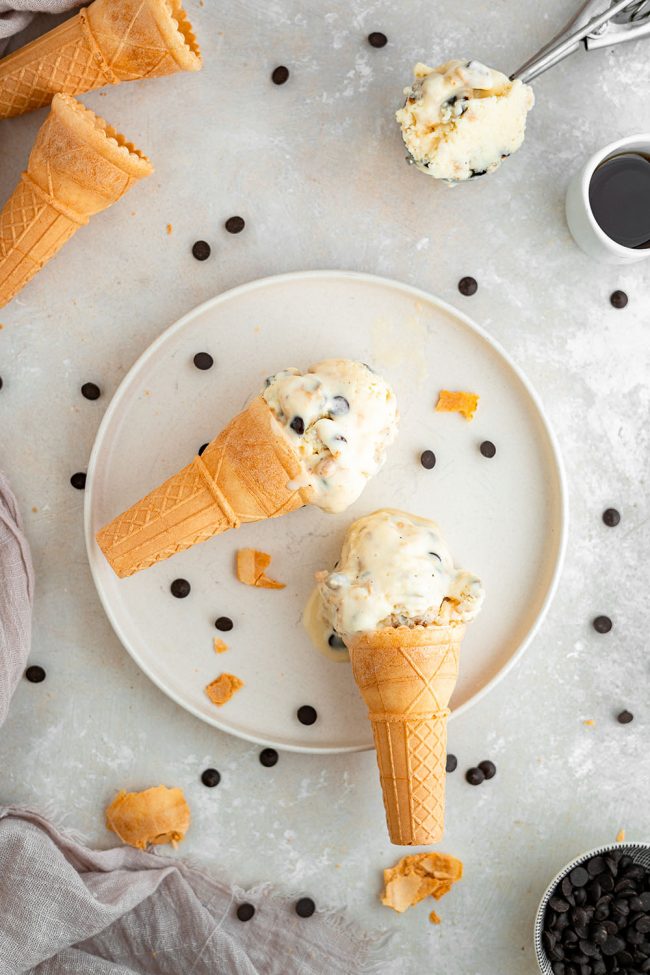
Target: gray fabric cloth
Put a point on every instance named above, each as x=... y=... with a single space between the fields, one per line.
x=16 y=14
x=68 y=910
x=16 y=595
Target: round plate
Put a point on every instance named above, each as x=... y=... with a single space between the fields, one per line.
x=504 y=518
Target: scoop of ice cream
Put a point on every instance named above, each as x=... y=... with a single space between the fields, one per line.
x=463 y=119
x=396 y=570
x=340 y=417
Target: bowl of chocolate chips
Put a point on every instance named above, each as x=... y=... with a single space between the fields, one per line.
x=594 y=918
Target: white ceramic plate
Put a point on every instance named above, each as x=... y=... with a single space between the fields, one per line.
x=504 y=518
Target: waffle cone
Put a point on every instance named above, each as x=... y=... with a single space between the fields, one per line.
x=105 y=44
x=242 y=476
x=406 y=677
x=78 y=166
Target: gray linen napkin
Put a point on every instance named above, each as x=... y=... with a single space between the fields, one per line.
x=68 y=910
x=16 y=14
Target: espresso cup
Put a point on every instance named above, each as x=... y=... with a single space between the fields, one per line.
x=583 y=225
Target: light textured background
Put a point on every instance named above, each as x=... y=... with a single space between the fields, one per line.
x=316 y=168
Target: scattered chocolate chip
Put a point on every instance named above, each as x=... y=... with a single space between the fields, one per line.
x=335 y=641
x=452 y=763
x=245 y=912
x=475 y=776
x=339 y=406
x=377 y=39
x=211 y=777
x=201 y=250
x=488 y=769
x=618 y=299
x=1 y=382
x=203 y=360
x=224 y=623
x=625 y=717
x=305 y=907
x=428 y=459
x=269 y=757
x=579 y=877
x=280 y=75
x=487 y=448
x=306 y=714
x=298 y=425
x=180 y=588
x=611 y=517
x=468 y=286
x=78 y=480
x=235 y=225
x=91 y=391
x=202 y=448
x=35 y=674
x=602 y=624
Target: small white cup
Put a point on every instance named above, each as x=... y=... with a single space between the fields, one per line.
x=582 y=223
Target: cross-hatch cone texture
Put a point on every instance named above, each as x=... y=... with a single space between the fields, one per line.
x=109 y=42
x=407 y=676
x=78 y=166
x=242 y=476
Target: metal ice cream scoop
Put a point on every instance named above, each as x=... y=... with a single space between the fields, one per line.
x=625 y=20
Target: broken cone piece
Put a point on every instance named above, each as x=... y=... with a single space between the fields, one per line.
x=418 y=876
x=457 y=402
x=251 y=566
x=222 y=689
x=155 y=816
x=219 y=645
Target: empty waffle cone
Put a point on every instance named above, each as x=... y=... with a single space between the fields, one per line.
x=242 y=476
x=407 y=676
x=78 y=166
x=108 y=42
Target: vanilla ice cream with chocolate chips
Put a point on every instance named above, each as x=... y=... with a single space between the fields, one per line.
x=340 y=417
x=395 y=570
x=463 y=119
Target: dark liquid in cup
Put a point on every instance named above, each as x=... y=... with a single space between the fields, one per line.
x=619 y=196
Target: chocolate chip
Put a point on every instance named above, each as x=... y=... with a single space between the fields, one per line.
x=602 y=624
x=298 y=425
x=78 y=480
x=611 y=517
x=339 y=406
x=202 y=448
x=245 y=912
x=235 y=225
x=180 y=588
x=625 y=717
x=475 y=776
x=224 y=623
x=452 y=763
x=428 y=459
x=90 y=391
x=488 y=449
x=203 y=360
x=618 y=299
x=377 y=39
x=579 y=877
x=559 y=905
x=306 y=714
x=305 y=907
x=210 y=778
x=643 y=924
x=612 y=946
x=595 y=866
x=1 y=382
x=468 y=286
x=35 y=674
x=488 y=769
x=201 y=250
x=280 y=75
x=269 y=757
x=335 y=641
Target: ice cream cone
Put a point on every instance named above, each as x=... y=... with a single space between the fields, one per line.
x=407 y=676
x=242 y=476
x=78 y=166
x=109 y=42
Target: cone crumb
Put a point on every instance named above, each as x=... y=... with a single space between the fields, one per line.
x=223 y=688
x=219 y=645
x=251 y=566
x=620 y=836
x=457 y=402
x=589 y=722
x=170 y=228
x=418 y=876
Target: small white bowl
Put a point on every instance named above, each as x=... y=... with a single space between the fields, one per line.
x=640 y=853
x=582 y=223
